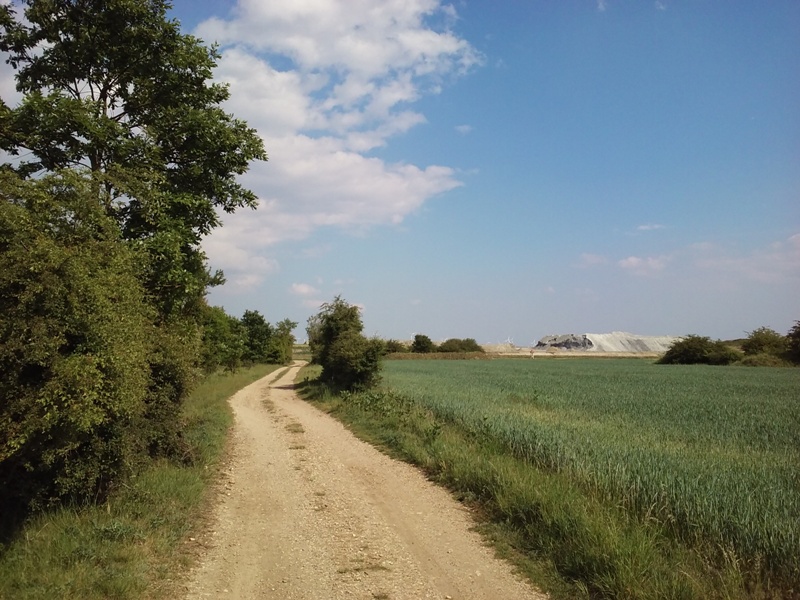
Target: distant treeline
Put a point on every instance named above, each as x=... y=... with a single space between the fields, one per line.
x=422 y=344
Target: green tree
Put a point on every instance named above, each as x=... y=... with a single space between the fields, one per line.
x=793 y=342
x=258 y=337
x=765 y=341
x=115 y=90
x=349 y=360
x=282 y=343
x=75 y=337
x=224 y=340
x=333 y=319
x=422 y=344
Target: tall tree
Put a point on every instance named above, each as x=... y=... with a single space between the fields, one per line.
x=282 y=342
x=258 y=336
x=113 y=88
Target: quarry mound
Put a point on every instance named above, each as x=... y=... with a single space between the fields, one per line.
x=617 y=341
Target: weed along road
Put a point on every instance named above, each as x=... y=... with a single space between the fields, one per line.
x=307 y=511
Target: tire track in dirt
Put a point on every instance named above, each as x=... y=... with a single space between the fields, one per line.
x=310 y=512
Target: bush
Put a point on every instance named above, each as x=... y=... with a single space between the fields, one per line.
x=457 y=345
x=695 y=349
x=395 y=347
x=349 y=361
x=173 y=374
x=765 y=341
x=353 y=362
x=422 y=344
x=73 y=345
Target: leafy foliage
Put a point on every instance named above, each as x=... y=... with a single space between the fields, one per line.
x=395 y=346
x=74 y=342
x=765 y=341
x=349 y=361
x=161 y=152
x=695 y=349
x=458 y=345
x=793 y=342
x=173 y=373
x=422 y=344
x=282 y=343
x=116 y=163
x=224 y=340
x=258 y=337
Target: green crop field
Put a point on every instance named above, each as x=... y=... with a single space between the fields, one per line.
x=709 y=455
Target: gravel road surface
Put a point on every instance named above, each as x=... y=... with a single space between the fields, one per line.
x=307 y=511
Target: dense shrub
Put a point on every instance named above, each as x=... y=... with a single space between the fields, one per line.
x=353 y=362
x=74 y=344
x=457 y=345
x=173 y=373
x=765 y=341
x=224 y=340
x=422 y=344
x=349 y=360
x=695 y=349
x=395 y=347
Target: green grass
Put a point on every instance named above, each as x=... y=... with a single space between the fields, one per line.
x=618 y=479
x=132 y=546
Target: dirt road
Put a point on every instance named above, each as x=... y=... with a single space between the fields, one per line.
x=310 y=512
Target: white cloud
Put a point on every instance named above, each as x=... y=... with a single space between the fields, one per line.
x=602 y=5
x=650 y=227
x=309 y=295
x=324 y=82
x=8 y=83
x=779 y=263
x=587 y=260
x=643 y=266
x=660 y=5
x=303 y=289
x=463 y=129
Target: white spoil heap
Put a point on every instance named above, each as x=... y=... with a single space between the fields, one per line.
x=617 y=341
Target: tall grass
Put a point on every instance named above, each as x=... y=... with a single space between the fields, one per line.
x=132 y=545
x=711 y=454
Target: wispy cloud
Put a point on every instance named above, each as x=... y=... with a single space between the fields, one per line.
x=643 y=266
x=779 y=263
x=463 y=129
x=324 y=83
x=650 y=227
x=602 y=5
x=309 y=295
x=303 y=289
x=660 y=5
x=587 y=260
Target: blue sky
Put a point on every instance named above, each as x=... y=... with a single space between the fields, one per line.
x=516 y=168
